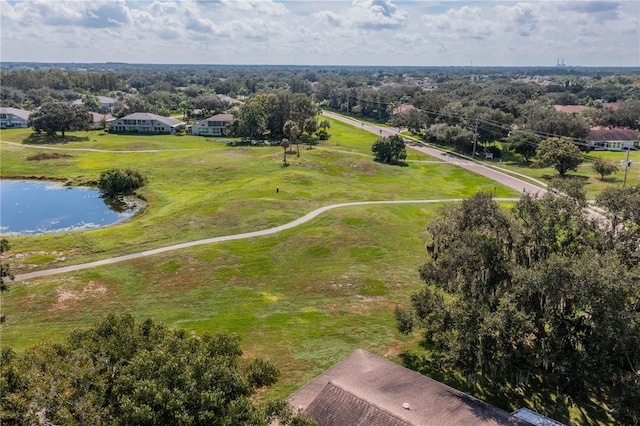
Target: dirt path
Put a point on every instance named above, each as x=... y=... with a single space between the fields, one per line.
x=299 y=221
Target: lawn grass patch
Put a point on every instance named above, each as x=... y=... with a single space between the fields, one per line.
x=306 y=297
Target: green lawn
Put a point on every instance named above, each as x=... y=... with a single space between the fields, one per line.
x=306 y=297
x=593 y=183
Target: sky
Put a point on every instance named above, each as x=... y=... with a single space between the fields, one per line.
x=334 y=32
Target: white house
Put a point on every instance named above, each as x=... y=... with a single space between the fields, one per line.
x=145 y=122
x=13 y=117
x=614 y=139
x=212 y=126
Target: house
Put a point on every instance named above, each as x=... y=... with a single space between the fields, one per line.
x=401 y=109
x=365 y=389
x=145 y=122
x=613 y=139
x=13 y=117
x=101 y=120
x=212 y=126
x=574 y=109
x=106 y=103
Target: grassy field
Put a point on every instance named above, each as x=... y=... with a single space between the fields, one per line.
x=306 y=297
x=593 y=183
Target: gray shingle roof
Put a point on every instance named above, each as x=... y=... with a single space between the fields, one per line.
x=365 y=386
x=15 y=111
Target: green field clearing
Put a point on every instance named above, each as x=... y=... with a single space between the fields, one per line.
x=305 y=297
x=211 y=189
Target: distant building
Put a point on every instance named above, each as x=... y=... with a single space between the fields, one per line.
x=365 y=389
x=13 y=117
x=106 y=103
x=212 y=126
x=145 y=122
x=99 y=120
x=614 y=139
x=402 y=109
x=579 y=108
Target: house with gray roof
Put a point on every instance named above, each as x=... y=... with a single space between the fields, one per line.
x=13 y=117
x=145 y=122
x=213 y=126
x=366 y=390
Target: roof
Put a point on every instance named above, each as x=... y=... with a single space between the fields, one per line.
x=104 y=100
x=612 y=134
x=15 y=111
x=220 y=117
x=571 y=108
x=169 y=121
x=579 y=108
x=97 y=117
x=403 y=108
x=365 y=389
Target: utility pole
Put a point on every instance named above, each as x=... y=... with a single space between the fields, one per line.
x=475 y=137
x=626 y=168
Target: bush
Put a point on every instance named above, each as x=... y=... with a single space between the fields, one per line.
x=323 y=135
x=120 y=182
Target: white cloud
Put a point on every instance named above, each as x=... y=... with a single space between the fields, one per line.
x=407 y=32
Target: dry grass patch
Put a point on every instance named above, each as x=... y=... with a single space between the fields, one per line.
x=48 y=156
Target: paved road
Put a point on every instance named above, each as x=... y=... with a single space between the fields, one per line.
x=303 y=219
x=503 y=178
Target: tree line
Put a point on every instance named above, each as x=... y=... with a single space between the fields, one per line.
x=542 y=292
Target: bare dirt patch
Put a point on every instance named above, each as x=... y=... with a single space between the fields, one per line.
x=67 y=298
x=29 y=260
x=48 y=156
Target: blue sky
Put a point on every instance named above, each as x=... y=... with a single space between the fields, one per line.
x=309 y=32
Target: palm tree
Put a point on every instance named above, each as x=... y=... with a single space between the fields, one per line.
x=285 y=146
x=310 y=126
x=292 y=131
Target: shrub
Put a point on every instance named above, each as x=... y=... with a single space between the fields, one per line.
x=323 y=135
x=120 y=182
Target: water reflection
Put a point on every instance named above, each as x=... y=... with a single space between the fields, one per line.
x=32 y=207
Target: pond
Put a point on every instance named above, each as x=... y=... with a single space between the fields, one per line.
x=34 y=207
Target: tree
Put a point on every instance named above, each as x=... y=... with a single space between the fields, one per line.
x=322 y=133
x=5 y=272
x=604 y=168
x=121 y=372
x=292 y=131
x=534 y=292
x=91 y=102
x=250 y=121
x=560 y=153
x=390 y=149
x=310 y=126
x=285 y=145
x=116 y=181
x=524 y=143
x=60 y=117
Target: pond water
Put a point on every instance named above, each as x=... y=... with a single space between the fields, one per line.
x=33 y=207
